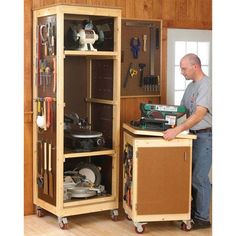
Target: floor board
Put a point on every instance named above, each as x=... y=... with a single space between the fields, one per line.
x=100 y=224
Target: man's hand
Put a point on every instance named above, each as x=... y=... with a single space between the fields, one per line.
x=190 y=122
x=170 y=134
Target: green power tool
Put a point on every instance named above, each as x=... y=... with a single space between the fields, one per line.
x=160 y=117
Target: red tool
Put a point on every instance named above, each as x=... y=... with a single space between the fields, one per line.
x=49 y=101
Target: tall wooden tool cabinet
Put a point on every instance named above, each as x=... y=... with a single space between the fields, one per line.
x=83 y=81
x=156 y=177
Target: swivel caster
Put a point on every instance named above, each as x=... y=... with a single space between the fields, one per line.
x=186 y=225
x=114 y=215
x=139 y=227
x=63 y=223
x=128 y=217
x=39 y=211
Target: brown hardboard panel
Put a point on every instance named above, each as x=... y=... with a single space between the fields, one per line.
x=75 y=85
x=137 y=30
x=163 y=176
x=101 y=120
x=102 y=79
x=45 y=88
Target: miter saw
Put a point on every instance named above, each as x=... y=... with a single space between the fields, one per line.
x=82 y=182
x=159 y=117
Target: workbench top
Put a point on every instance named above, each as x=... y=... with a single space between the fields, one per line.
x=139 y=131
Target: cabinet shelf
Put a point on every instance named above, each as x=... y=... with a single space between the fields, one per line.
x=90 y=53
x=86 y=154
x=102 y=101
x=76 y=202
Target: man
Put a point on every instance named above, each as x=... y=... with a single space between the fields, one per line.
x=198 y=101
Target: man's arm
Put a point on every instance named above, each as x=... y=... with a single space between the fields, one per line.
x=192 y=120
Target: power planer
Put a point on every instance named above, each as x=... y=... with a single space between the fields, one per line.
x=160 y=117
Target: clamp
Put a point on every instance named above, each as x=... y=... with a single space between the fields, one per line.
x=135 y=46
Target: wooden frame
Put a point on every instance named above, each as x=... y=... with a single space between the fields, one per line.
x=152 y=158
x=61 y=208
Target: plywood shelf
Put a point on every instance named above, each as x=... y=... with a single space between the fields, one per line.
x=90 y=53
x=108 y=152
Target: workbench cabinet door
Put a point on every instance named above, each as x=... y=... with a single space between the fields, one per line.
x=163 y=180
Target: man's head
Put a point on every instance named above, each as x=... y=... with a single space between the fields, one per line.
x=190 y=66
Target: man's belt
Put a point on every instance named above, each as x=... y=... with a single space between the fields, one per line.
x=206 y=130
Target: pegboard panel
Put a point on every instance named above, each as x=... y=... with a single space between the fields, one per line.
x=141 y=54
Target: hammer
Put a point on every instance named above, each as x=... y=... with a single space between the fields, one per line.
x=141 y=68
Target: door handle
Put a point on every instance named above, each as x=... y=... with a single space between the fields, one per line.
x=185 y=156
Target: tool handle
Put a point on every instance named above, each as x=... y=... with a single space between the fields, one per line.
x=127 y=75
x=54 y=74
x=45 y=114
x=49 y=157
x=49 y=110
x=141 y=78
x=144 y=42
x=41 y=157
x=45 y=156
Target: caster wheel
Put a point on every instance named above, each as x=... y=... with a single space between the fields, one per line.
x=186 y=227
x=39 y=212
x=128 y=217
x=114 y=218
x=63 y=225
x=140 y=229
x=114 y=215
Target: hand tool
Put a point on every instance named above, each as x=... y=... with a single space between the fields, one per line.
x=152 y=76
x=49 y=111
x=144 y=42
x=37 y=57
x=50 y=170
x=135 y=46
x=45 y=175
x=40 y=164
x=127 y=75
x=50 y=38
x=133 y=72
x=141 y=68
x=152 y=51
x=44 y=35
x=40 y=116
x=157 y=84
x=54 y=74
x=44 y=114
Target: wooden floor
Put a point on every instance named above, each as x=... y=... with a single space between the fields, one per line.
x=100 y=224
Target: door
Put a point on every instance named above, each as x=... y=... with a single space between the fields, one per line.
x=163 y=180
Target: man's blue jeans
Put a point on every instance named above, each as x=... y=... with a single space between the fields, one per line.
x=201 y=187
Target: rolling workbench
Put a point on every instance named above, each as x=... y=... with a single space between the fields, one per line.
x=156 y=176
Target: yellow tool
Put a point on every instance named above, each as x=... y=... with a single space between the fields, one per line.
x=133 y=72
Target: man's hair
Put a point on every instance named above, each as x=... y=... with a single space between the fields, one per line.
x=193 y=59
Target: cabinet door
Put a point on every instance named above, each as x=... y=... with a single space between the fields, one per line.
x=163 y=180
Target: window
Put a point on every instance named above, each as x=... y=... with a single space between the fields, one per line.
x=181 y=42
